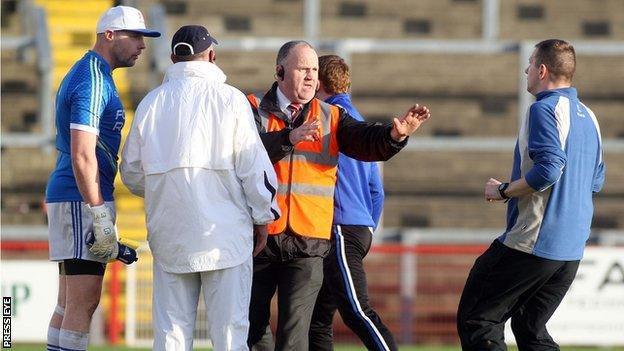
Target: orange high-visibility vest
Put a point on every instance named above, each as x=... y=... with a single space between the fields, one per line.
x=307 y=176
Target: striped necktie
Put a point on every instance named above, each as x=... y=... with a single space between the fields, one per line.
x=294 y=111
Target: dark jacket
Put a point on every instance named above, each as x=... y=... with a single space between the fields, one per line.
x=363 y=141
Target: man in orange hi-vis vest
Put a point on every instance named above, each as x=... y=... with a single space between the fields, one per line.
x=303 y=136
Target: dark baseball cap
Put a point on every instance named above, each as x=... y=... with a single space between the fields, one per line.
x=191 y=40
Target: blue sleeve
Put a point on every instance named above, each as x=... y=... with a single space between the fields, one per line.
x=545 y=148
x=377 y=193
x=87 y=102
x=599 y=177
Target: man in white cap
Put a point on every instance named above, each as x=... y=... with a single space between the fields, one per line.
x=79 y=195
x=194 y=154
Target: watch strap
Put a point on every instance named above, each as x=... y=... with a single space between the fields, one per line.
x=501 y=190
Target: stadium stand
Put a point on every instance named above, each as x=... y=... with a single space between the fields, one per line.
x=576 y=19
x=401 y=19
x=23 y=169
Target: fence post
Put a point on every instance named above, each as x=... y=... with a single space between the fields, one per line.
x=408 y=282
x=131 y=293
x=113 y=322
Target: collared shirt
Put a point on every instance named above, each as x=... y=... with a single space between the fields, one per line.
x=283 y=102
x=195 y=155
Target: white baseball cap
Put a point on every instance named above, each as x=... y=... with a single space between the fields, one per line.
x=124 y=18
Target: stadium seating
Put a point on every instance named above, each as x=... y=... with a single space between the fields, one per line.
x=576 y=19
x=24 y=170
x=401 y=19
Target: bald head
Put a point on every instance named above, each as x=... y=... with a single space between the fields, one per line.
x=297 y=71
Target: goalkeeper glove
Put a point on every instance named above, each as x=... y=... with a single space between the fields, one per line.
x=123 y=253
x=104 y=233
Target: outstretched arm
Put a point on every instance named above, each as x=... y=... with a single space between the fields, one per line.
x=366 y=141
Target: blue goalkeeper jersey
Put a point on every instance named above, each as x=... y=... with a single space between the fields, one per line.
x=87 y=100
x=559 y=154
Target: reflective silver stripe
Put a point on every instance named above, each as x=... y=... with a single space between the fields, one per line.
x=326 y=124
x=307 y=189
x=324 y=159
x=282 y=189
x=306 y=156
x=264 y=119
x=263 y=116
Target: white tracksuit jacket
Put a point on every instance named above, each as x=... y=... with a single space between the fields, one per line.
x=194 y=153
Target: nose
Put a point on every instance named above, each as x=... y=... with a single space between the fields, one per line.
x=309 y=75
x=142 y=43
x=526 y=70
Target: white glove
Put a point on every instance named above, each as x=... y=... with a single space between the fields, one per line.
x=105 y=233
x=125 y=253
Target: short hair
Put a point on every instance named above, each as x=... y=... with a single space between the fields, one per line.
x=285 y=50
x=334 y=73
x=194 y=57
x=558 y=56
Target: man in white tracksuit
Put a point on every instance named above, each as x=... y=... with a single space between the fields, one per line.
x=194 y=153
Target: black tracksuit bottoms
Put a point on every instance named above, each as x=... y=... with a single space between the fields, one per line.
x=344 y=287
x=506 y=283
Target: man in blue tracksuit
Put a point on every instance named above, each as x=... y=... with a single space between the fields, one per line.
x=558 y=166
x=358 y=200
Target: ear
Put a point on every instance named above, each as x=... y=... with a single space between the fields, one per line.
x=212 y=56
x=279 y=72
x=543 y=71
x=109 y=35
x=318 y=85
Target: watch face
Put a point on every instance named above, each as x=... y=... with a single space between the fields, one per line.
x=501 y=186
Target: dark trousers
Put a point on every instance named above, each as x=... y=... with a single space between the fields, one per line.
x=506 y=283
x=344 y=288
x=297 y=282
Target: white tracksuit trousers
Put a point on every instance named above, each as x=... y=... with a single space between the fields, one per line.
x=226 y=294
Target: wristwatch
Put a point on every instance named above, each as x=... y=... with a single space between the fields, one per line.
x=501 y=190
